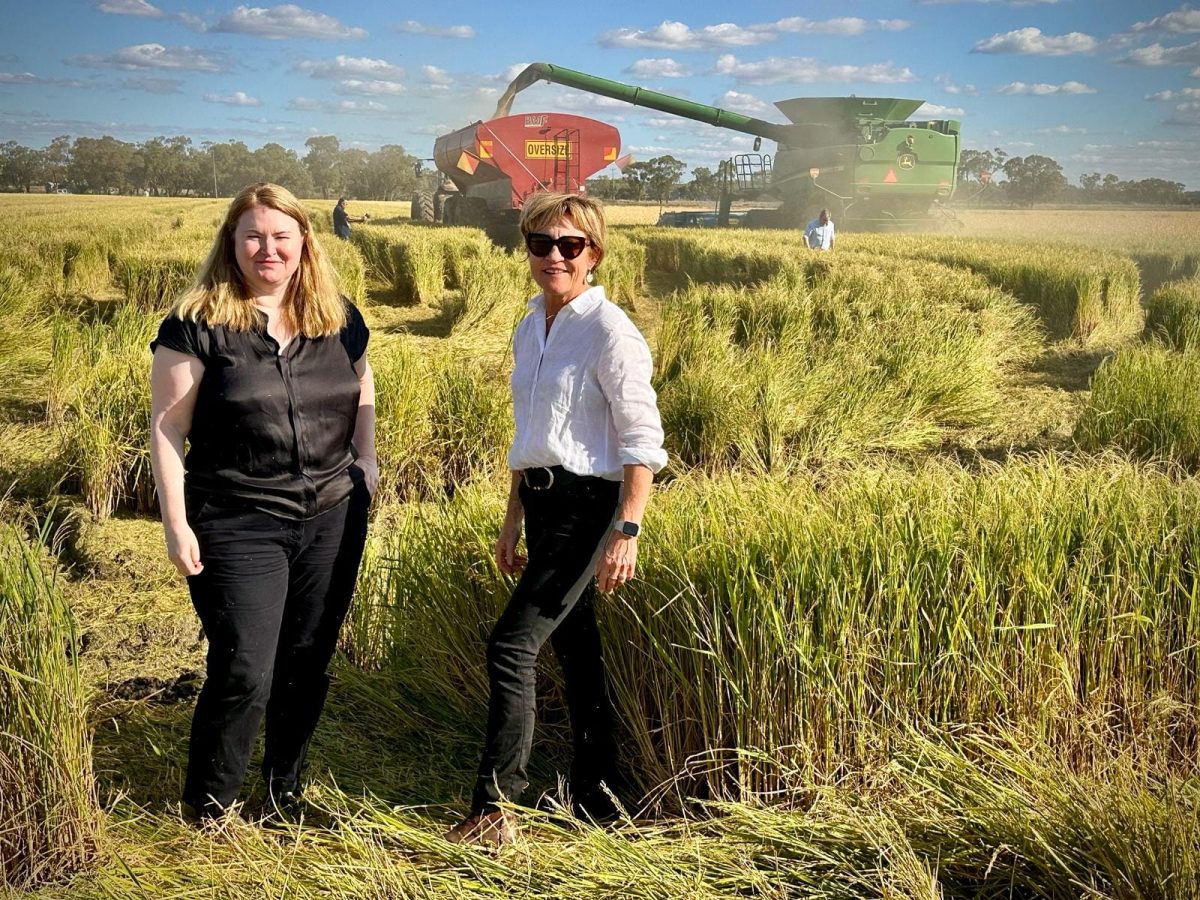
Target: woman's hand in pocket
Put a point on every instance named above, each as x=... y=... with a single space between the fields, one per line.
x=369 y=467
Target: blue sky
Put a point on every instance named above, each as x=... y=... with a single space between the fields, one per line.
x=1100 y=85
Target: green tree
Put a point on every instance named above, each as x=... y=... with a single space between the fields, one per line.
x=1033 y=179
x=103 y=165
x=57 y=158
x=389 y=174
x=322 y=161
x=980 y=165
x=603 y=187
x=1090 y=182
x=703 y=186
x=20 y=166
x=165 y=164
x=277 y=164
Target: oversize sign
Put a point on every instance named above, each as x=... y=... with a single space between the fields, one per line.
x=547 y=149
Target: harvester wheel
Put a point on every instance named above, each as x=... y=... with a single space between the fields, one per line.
x=422 y=207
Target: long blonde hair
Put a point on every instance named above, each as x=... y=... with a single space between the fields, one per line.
x=313 y=306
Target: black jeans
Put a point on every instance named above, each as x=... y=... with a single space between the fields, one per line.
x=565 y=532
x=272 y=598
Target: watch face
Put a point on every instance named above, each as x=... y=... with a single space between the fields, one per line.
x=630 y=528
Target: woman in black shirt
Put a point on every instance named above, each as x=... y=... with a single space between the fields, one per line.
x=261 y=365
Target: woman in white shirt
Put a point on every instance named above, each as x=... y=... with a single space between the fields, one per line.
x=588 y=442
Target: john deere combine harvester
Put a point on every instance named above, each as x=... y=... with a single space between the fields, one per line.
x=859 y=156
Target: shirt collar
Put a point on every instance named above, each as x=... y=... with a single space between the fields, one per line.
x=582 y=304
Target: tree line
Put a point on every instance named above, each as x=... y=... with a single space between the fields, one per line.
x=175 y=167
x=1040 y=179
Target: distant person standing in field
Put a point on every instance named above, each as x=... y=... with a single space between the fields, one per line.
x=819 y=232
x=588 y=442
x=342 y=219
x=261 y=366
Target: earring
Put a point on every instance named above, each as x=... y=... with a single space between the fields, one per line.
x=589 y=278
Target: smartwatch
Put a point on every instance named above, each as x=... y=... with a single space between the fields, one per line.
x=629 y=529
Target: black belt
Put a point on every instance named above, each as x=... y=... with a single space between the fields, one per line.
x=542 y=478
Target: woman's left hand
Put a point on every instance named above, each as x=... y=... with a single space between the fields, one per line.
x=370 y=469
x=618 y=564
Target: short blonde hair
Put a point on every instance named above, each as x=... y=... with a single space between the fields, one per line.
x=543 y=211
x=219 y=295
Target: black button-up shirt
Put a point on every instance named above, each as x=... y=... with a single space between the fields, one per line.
x=271 y=431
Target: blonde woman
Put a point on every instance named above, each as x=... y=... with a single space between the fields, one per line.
x=588 y=442
x=261 y=367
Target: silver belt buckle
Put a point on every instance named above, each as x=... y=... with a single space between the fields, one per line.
x=549 y=484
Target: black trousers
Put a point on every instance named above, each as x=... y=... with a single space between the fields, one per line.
x=272 y=598
x=566 y=529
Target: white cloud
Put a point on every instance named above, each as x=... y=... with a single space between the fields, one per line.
x=237 y=98
x=1043 y=90
x=338 y=107
x=950 y=87
x=152 y=85
x=129 y=8
x=671 y=35
x=152 y=56
x=343 y=67
x=747 y=104
x=1062 y=129
x=678 y=36
x=1031 y=41
x=374 y=88
x=846 y=26
x=1158 y=55
x=1009 y=2
x=937 y=111
x=437 y=77
x=285 y=21
x=658 y=68
x=18 y=78
x=462 y=32
x=806 y=70
x=508 y=74
x=1182 y=21
x=1171 y=95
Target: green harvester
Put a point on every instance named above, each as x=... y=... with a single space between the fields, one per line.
x=860 y=157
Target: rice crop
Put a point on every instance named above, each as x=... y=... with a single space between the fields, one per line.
x=799 y=624
x=1081 y=294
x=23 y=338
x=49 y=817
x=873 y=650
x=418 y=262
x=1143 y=400
x=1173 y=314
x=99 y=395
x=846 y=358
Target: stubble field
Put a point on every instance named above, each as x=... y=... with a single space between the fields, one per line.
x=917 y=612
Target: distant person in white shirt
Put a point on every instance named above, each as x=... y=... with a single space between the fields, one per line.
x=588 y=442
x=819 y=232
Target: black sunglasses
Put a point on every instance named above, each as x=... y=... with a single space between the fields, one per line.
x=570 y=246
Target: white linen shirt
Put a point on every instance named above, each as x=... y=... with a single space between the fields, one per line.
x=818 y=236
x=581 y=395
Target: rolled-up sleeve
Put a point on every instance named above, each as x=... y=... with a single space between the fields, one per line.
x=624 y=372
